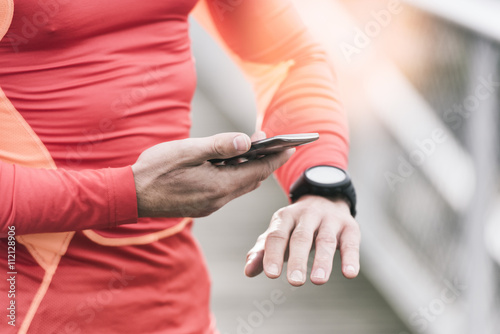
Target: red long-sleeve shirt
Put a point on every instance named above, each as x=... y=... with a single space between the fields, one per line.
x=101 y=81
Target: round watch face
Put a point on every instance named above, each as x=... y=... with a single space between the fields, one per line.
x=325 y=175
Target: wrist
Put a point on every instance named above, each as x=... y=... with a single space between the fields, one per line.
x=340 y=203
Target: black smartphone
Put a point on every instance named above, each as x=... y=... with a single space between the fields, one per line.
x=271 y=145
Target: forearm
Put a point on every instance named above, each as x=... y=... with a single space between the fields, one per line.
x=271 y=32
x=307 y=101
x=41 y=200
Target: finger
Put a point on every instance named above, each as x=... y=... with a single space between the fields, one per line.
x=300 y=247
x=255 y=257
x=276 y=242
x=238 y=180
x=258 y=135
x=219 y=146
x=257 y=170
x=326 y=245
x=254 y=265
x=349 y=250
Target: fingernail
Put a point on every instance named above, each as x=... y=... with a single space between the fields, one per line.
x=273 y=270
x=319 y=273
x=350 y=270
x=251 y=257
x=297 y=276
x=240 y=143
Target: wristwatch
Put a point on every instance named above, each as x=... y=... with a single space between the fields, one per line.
x=326 y=181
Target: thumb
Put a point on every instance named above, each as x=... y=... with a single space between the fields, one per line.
x=254 y=265
x=220 y=146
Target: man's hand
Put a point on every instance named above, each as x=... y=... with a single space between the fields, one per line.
x=326 y=223
x=174 y=179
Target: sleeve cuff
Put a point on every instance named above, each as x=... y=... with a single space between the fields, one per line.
x=122 y=196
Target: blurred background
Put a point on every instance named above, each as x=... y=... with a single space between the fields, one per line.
x=420 y=81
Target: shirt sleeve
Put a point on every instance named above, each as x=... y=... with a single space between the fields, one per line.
x=45 y=200
x=307 y=100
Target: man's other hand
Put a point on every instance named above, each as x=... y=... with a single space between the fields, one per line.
x=312 y=220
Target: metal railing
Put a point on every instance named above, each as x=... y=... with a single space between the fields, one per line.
x=453 y=247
